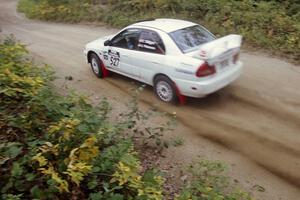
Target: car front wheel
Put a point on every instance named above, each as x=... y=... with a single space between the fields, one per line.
x=96 y=65
x=164 y=89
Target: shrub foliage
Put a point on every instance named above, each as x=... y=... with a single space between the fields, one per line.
x=273 y=25
x=61 y=147
x=209 y=182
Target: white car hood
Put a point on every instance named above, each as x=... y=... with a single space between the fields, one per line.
x=98 y=43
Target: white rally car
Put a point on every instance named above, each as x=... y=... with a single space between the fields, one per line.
x=178 y=58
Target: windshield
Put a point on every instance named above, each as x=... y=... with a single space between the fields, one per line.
x=190 y=38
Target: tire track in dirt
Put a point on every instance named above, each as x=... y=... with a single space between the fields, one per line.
x=277 y=111
x=250 y=144
x=254 y=147
x=236 y=137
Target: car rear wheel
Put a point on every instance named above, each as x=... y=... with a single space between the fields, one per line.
x=164 y=89
x=96 y=65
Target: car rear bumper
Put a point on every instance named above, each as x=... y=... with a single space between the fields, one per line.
x=204 y=87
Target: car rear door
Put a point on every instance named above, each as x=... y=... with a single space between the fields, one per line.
x=150 y=55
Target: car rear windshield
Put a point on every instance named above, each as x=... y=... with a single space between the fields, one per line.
x=190 y=38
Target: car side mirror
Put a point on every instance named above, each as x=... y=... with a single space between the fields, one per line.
x=107 y=43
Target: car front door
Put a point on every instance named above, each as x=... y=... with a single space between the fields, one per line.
x=118 y=56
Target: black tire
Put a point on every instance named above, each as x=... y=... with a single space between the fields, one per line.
x=96 y=65
x=165 y=89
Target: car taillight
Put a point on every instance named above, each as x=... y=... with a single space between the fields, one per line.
x=205 y=70
x=236 y=58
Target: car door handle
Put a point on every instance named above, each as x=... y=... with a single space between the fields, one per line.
x=126 y=56
x=154 y=62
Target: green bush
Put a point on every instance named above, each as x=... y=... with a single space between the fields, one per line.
x=61 y=11
x=209 y=182
x=273 y=25
x=61 y=147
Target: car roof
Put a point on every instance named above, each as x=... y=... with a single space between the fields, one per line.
x=166 y=25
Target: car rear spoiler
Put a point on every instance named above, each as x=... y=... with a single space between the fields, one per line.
x=220 y=48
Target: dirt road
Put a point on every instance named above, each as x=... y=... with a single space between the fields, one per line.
x=253 y=124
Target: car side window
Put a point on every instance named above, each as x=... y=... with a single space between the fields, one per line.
x=151 y=42
x=127 y=39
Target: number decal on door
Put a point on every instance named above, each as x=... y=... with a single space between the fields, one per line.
x=114 y=61
x=114 y=58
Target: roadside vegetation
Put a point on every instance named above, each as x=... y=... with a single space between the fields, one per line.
x=62 y=147
x=268 y=24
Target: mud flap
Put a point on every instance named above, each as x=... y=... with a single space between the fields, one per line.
x=105 y=72
x=181 y=98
